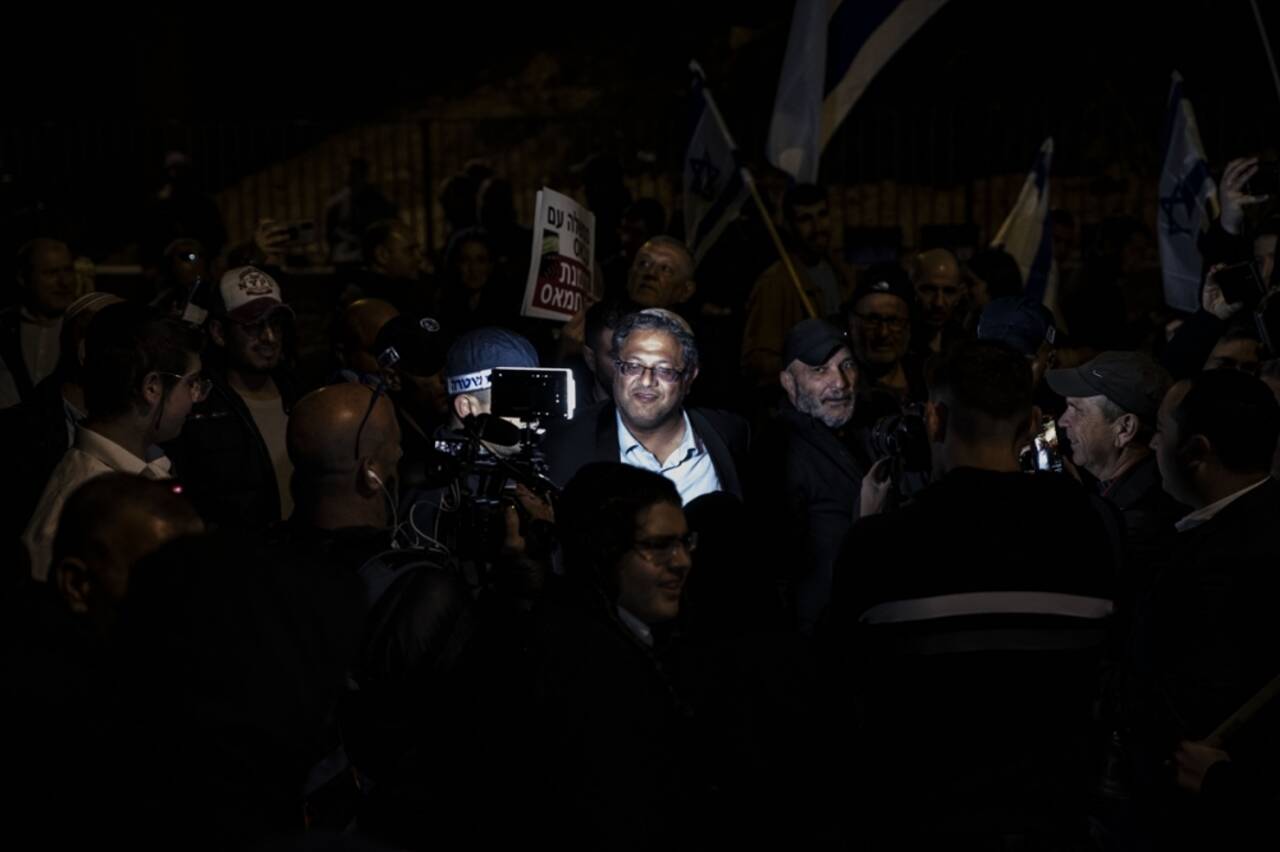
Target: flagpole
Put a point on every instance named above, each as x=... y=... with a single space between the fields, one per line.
x=1266 y=45
x=777 y=241
x=750 y=183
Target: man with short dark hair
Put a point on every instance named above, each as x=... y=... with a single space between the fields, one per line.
x=976 y=686
x=232 y=453
x=602 y=319
x=394 y=270
x=44 y=426
x=1237 y=349
x=939 y=299
x=141 y=379
x=106 y=526
x=1024 y=324
x=775 y=306
x=614 y=734
x=1209 y=637
x=647 y=424
x=57 y=671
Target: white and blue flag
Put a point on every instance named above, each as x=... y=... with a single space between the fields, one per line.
x=1185 y=188
x=835 y=49
x=713 y=184
x=1027 y=232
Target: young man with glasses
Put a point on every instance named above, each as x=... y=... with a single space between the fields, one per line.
x=232 y=454
x=141 y=378
x=647 y=424
x=616 y=738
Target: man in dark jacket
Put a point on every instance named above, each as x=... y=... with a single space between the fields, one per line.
x=972 y=622
x=29 y=331
x=819 y=475
x=614 y=761
x=43 y=427
x=647 y=425
x=1207 y=638
x=1112 y=402
x=231 y=454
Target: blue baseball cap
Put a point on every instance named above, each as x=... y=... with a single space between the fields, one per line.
x=1018 y=321
x=476 y=354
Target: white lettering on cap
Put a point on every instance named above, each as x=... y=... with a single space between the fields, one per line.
x=469 y=383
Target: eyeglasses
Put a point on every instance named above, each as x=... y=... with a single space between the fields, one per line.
x=275 y=322
x=889 y=323
x=198 y=387
x=630 y=369
x=660 y=551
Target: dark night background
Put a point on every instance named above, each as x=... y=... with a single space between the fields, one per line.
x=972 y=94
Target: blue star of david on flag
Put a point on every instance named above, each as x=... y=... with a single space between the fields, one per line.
x=1185 y=188
x=706 y=177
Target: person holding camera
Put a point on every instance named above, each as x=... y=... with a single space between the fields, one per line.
x=479 y=439
x=970 y=625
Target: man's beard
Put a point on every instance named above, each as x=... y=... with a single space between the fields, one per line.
x=832 y=419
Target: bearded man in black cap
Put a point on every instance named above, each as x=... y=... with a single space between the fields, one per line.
x=817 y=474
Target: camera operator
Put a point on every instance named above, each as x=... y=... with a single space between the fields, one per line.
x=470 y=506
x=378 y=346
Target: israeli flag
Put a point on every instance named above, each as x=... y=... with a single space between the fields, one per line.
x=1185 y=188
x=835 y=49
x=1027 y=233
x=713 y=185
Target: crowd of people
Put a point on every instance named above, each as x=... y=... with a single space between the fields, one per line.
x=883 y=557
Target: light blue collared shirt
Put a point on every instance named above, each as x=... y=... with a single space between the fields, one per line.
x=690 y=467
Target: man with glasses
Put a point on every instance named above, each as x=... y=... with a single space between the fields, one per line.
x=141 y=378
x=879 y=323
x=232 y=454
x=647 y=425
x=615 y=731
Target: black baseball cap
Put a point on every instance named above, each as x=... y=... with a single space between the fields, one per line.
x=812 y=342
x=1131 y=380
